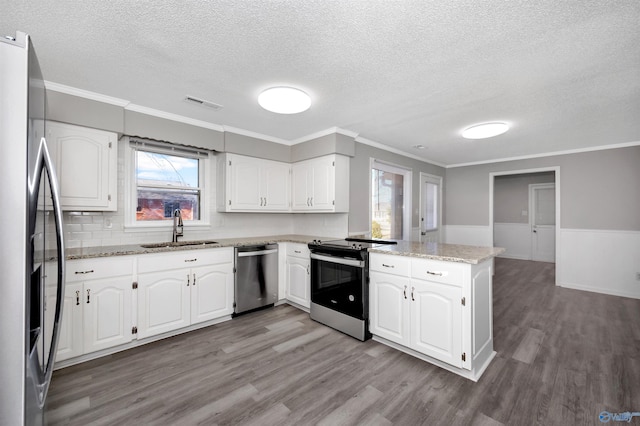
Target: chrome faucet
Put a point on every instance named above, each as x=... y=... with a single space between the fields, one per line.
x=177 y=223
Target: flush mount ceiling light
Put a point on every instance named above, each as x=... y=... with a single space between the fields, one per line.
x=284 y=100
x=485 y=130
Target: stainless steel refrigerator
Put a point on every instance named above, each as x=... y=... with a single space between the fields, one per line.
x=31 y=239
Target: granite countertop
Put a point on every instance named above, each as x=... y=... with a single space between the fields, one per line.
x=444 y=252
x=134 y=249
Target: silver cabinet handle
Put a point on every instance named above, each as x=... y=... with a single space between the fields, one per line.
x=412 y=289
x=194 y=280
x=91 y=271
x=188 y=280
x=297 y=251
x=308 y=201
x=88 y=295
x=308 y=273
x=405 y=291
x=265 y=201
x=388 y=266
x=439 y=274
x=77 y=297
x=311 y=201
x=191 y=260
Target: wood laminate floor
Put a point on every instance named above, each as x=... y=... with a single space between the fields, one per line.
x=563 y=357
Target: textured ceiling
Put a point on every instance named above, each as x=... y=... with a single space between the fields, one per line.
x=565 y=74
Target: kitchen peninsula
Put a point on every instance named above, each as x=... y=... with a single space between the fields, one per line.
x=434 y=301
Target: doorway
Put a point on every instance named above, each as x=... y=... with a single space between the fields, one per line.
x=390 y=201
x=524 y=214
x=542 y=206
x=430 y=207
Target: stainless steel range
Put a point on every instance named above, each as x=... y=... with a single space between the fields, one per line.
x=340 y=284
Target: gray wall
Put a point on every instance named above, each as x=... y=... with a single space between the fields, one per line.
x=254 y=147
x=598 y=189
x=361 y=176
x=84 y=112
x=333 y=143
x=511 y=195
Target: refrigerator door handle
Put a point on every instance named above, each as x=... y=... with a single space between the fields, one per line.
x=47 y=164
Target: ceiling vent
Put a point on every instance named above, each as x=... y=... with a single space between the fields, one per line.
x=201 y=102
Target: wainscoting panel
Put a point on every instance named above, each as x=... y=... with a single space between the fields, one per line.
x=467 y=234
x=601 y=261
x=515 y=238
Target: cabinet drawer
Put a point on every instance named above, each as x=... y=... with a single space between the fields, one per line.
x=298 y=250
x=183 y=259
x=90 y=269
x=390 y=264
x=435 y=270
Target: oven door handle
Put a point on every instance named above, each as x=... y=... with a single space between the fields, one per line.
x=340 y=260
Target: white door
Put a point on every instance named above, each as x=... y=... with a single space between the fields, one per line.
x=163 y=301
x=436 y=321
x=107 y=313
x=211 y=292
x=430 y=207
x=275 y=186
x=70 y=340
x=245 y=183
x=542 y=205
x=322 y=193
x=298 y=281
x=302 y=183
x=388 y=307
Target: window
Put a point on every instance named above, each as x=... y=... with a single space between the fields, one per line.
x=390 y=201
x=165 y=178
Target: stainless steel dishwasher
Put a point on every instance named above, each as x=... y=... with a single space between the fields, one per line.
x=256 y=277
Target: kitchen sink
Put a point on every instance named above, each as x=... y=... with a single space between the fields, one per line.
x=179 y=244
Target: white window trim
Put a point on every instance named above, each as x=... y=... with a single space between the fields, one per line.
x=130 y=195
x=436 y=180
x=407 y=174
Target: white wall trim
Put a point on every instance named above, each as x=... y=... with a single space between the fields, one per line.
x=472 y=235
x=556 y=170
x=321 y=133
x=601 y=261
x=547 y=154
x=256 y=135
x=173 y=117
x=68 y=90
x=515 y=238
x=379 y=145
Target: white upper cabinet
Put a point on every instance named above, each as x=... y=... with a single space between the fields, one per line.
x=86 y=164
x=252 y=184
x=321 y=184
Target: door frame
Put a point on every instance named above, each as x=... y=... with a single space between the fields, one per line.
x=407 y=173
x=423 y=177
x=532 y=188
x=555 y=169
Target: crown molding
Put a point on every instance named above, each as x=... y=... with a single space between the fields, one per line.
x=68 y=90
x=396 y=151
x=321 y=133
x=256 y=135
x=546 y=154
x=173 y=117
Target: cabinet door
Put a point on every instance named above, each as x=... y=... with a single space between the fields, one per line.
x=244 y=181
x=275 y=186
x=298 y=281
x=70 y=341
x=211 y=292
x=302 y=183
x=86 y=164
x=436 y=321
x=163 y=301
x=389 y=307
x=107 y=313
x=323 y=186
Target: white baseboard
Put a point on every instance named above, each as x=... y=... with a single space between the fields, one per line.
x=600 y=261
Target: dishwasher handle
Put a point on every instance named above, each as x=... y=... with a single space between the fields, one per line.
x=256 y=253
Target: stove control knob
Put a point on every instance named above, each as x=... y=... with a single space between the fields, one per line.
x=351 y=298
x=360 y=246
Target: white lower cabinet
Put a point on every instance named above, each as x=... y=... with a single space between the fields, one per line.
x=298 y=265
x=97 y=306
x=438 y=311
x=178 y=289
